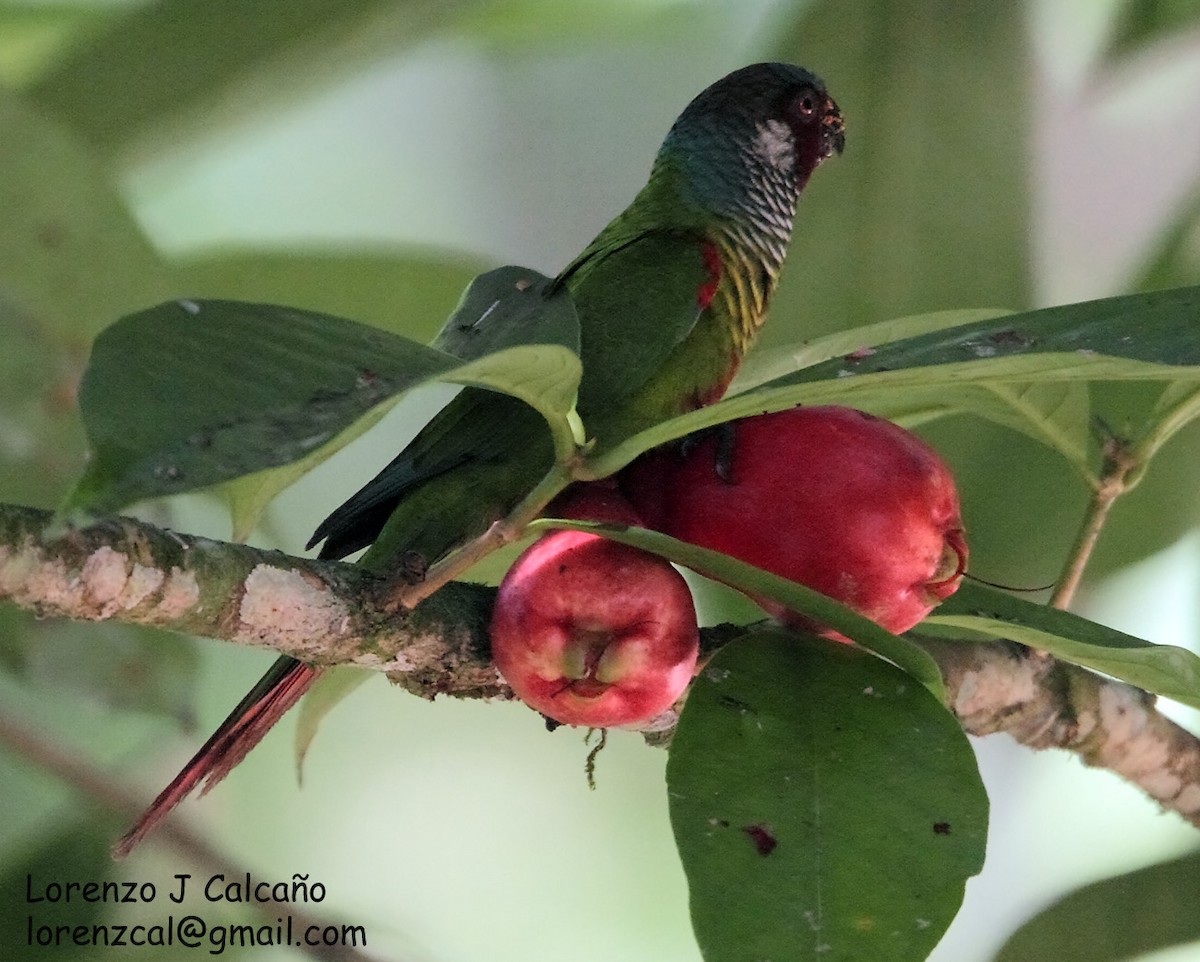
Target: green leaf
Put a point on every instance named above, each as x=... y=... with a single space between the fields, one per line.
x=763 y=366
x=1162 y=669
x=755 y=581
x=128 y=667
x=825 y=808
x=193 y=393
x=1143 y=22
x=407 y=292
x=502 y=308
x=71 y=256
x=328 y=691
x=1150 y=336
x=78 y=851
x=1055 y=414
x=1115 y=919
x=166 y=57
x=1174 y=260
x=1121 y=334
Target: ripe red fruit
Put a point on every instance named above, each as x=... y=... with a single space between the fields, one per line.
x=594 y=501
x=592 y=632
x=846 y=503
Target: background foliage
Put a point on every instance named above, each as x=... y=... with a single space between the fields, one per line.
x=366 y=159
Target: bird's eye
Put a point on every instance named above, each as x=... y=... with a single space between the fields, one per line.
x=806 y=104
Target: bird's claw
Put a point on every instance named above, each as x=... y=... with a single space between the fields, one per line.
x=725 y=442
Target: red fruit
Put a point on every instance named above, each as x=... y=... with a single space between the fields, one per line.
x=594 y=501
x=592 y=632
x=846 y=503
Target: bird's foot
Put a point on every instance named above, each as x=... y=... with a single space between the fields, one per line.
x=724 y=443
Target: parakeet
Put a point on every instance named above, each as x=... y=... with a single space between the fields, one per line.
x=670 y=295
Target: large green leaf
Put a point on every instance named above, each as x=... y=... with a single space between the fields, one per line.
x=825 y=808
x=856 y=343
x=1174 y=260
x=78 y=850
x=193 y=393
x=1162 y=669
x=1151 y=336
x=71 y=259
x=71 y=255
x=1055 y=414
x=405 y=291
x=32 y=35
x=109 y=664
x=755 y=581
x=1113 y=337
x=168 y=56
x=1115 y=919
x=1143 y=22
x=500 y=309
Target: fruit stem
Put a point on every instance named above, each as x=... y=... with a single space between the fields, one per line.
x=1120 y=462
x=590 y=765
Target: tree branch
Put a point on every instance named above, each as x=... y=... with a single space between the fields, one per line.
x=322 y=612
x=1044 y=703
x=332 y=613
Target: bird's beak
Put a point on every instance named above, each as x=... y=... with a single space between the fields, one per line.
x=833 y=128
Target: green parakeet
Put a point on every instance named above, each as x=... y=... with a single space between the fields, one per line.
x=670 y=295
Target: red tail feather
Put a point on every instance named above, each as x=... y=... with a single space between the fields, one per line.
x=277 y=691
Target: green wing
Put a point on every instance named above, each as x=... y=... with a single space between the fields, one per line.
x=478 y=450
x=638 y=298
x=481 y=440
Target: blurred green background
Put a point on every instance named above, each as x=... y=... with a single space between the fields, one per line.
x=367 y=158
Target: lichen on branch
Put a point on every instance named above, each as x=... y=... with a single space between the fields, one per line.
x=1045 y=703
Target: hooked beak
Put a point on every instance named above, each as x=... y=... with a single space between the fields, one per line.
x=833 y=129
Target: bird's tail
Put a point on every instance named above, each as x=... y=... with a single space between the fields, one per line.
x=398 y=513
x=277 y=691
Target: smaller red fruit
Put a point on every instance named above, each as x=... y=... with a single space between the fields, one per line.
x=833 y=498
x=592 y=632
x=594 y=501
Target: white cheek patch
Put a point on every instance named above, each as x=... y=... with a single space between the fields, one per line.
x=773 y=144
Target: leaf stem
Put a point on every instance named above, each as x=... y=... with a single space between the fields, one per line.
x=1120 y=461
x=1167 y=423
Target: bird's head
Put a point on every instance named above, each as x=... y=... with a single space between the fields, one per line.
x=768 y=125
